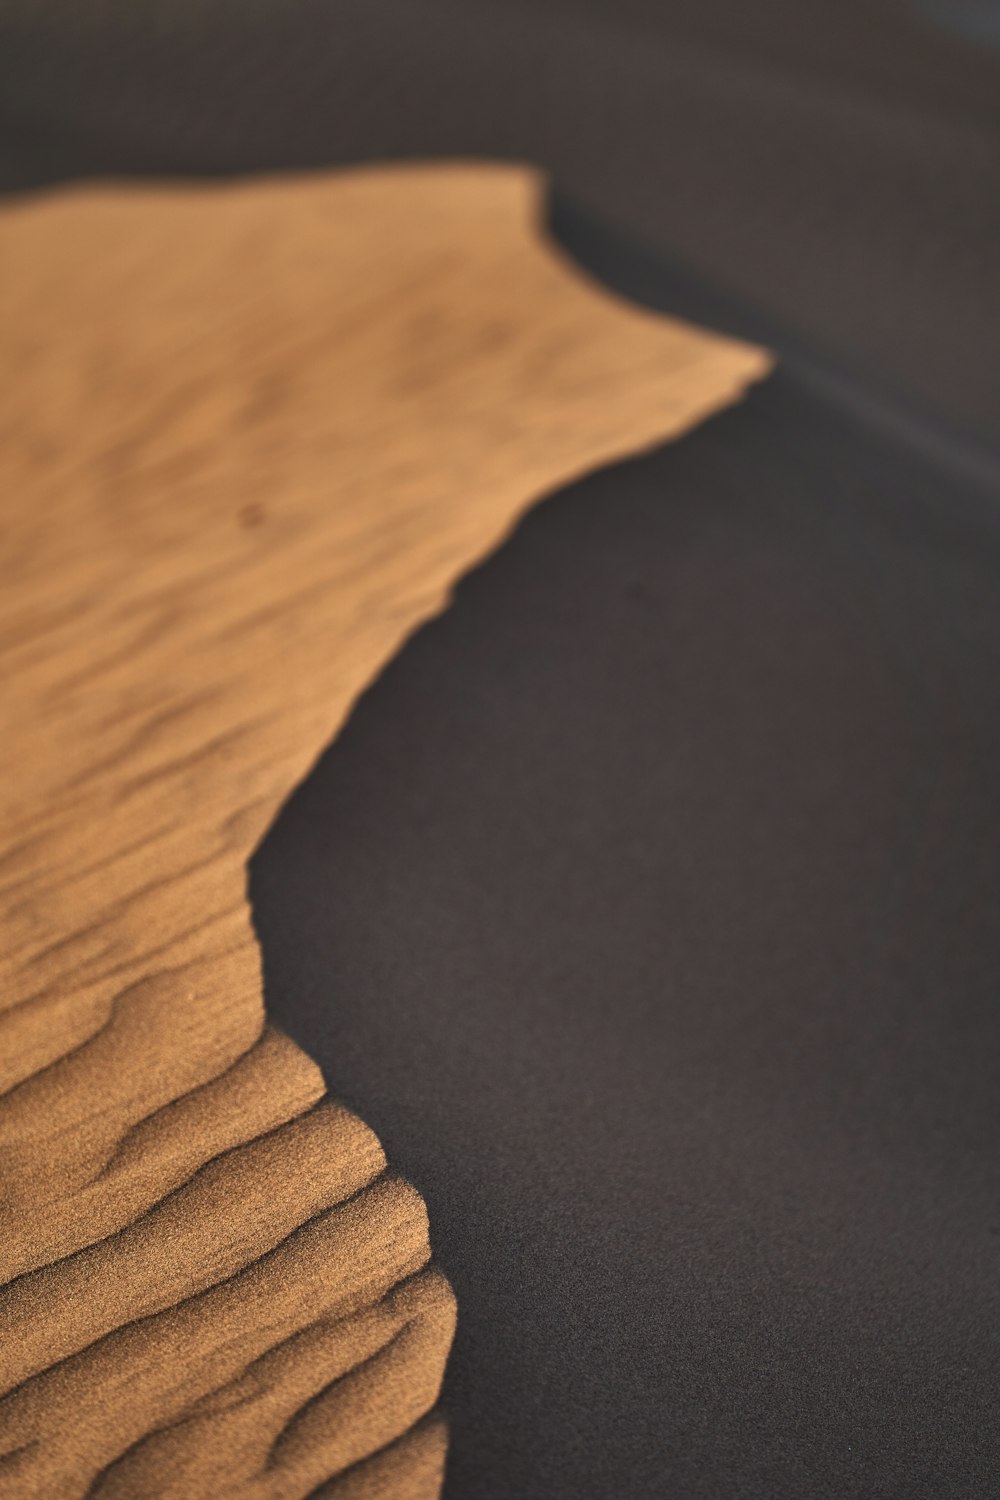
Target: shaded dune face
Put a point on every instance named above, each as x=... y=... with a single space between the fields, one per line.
x=646 y=907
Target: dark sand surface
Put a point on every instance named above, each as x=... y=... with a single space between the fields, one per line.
x=646 y=906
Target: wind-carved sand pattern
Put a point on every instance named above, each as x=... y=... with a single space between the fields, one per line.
x=252 y=435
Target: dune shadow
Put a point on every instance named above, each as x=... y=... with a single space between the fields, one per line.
x=645 y=907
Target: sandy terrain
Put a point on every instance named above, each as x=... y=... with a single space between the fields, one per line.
x=253 y=434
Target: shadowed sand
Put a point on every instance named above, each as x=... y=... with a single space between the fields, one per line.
x=646 y=907
x=253 y=435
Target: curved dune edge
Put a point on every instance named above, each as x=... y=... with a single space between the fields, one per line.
x=254 y=433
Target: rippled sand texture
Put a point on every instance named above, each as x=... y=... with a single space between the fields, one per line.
x=252 y=434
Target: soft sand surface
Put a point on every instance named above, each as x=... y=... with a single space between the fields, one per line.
x=691 y=919
x=252 y=436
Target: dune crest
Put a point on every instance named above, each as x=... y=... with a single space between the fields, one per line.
x=254 y=433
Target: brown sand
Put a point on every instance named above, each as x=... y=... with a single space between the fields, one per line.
x=252 y=435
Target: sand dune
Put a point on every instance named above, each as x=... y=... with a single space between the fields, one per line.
x=252 y=435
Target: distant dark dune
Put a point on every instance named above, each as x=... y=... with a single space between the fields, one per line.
x=832 y=163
